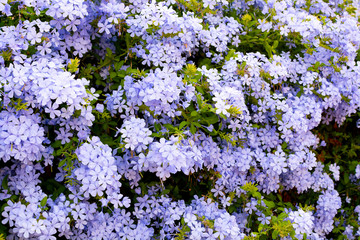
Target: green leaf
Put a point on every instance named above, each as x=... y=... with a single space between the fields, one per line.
x=275 y=44
x=113 y=74
x=282 y=215
x=4 y=183
x=197 y=124
x=211 y=119
x=118 y=65
x=222 y=116
x=157 y=126
x=261 y=226
x=230 y=54
x=270 y=204
x=200 y=89
x=300 y=92
x=198 y=99
x=263 y=236
x=194 y=113
x=121 y=73
x=43 y=201
x=159 y=135
x=62 y=163
x=268 y=49
x=109 y=52
x=127 y=40
x=169 y=127
x=73 y=65
x=176 y=191
x=256 y=195
x=183 y=124
x=275 y=234
x=346 y=178
x=206 y=62
x=232 y=209
x=56 y=144
x=192 y=128
x=166 y=191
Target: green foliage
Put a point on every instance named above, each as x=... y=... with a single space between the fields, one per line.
x=343 y=148
x=250 y=187
x=278 y=227
x=18 y=104
x=6 y=55
x=73 y=65
x=282 y=228
x=43 y=203
x=183 y=231
x=234 y=111
x=66 y=154
x=196 y=7
x=21 y=13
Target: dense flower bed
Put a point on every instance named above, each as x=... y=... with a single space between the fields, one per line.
x=179 y=119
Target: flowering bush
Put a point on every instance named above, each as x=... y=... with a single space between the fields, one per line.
x=179 y=119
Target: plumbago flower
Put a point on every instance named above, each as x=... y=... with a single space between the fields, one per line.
x=159 y=90
x=167 y=157
x=97 y=173
x=179 y=119
x=303 y=222
x=136 y=135
x=22 y=137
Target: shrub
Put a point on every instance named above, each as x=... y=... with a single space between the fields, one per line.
x=179 y=119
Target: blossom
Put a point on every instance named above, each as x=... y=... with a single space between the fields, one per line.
x=303 y=221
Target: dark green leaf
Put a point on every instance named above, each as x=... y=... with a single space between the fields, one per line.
x=4 y=183
x=113 y=74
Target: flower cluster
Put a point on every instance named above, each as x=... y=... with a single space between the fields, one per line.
x=166 y=157
x=97 y=171
x=22 y=137
x=136 y=135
